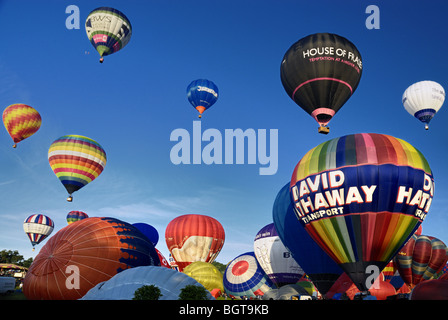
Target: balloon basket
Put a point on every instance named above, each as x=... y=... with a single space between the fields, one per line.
x=14 y=146
x=70 y=198
x=323 y=130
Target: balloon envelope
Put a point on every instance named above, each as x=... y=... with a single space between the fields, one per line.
x=320 y=73
x=202 y=94
x=420 y=259
x=123 y=285
x=245 y=277
x=275 y=259
x=74 y=216
x=84 y=254
x=21 y=121
x=430 y=290
x=194 y=237
x=423 y=100
x=38 y=227
x=317 y=264
x=76 y=161
x=149 y=231
x=108 y=29
x=361 y=197
x=206 y=274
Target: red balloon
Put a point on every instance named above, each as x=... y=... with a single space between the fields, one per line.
x=431 y=290
x=420 y=259
x=194 y=237
x=83 y=254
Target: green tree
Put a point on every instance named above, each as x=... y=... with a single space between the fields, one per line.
x=9 y=256
x=193 y=292
x=147 y=292
x=221 y=267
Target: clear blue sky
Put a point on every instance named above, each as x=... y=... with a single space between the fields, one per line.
x=132 y=102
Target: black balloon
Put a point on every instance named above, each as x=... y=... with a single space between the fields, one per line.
x=320 y=73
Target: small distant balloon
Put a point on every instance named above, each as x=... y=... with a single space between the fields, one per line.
x=38 y=227
x=423 y=100
x=74 y=216
x=21 y=121
x=202 y=94
x=109 y=30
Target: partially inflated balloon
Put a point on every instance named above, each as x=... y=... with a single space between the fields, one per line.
x=74 y=216
x=38 y=227
x=275 y=259
x=202 y=94
x=21 y=121
x=76 y=160
x=245 y=277
x=317 y=265
x=421 y=259
x=206 y=274
x=194 y=237
x=361 y=197
x=108 y=29
x=423 y=99
x=320 y=73
x=84 y=254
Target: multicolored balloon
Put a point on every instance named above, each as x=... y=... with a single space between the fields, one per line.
x=421 y=259
x=202 y=94
x=21 y=121
x=83 y=254
x=74 y=216
x=76 y=160
x=423 y=99
x=320 y=73
x=108 y=29
x=317 y=264
x=38 y=227
x=245 y=277
x=194 y=237
x=361 y=197
x=275 y=259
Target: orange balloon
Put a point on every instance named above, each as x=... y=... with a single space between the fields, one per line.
x=83 y=254
x=194 y=237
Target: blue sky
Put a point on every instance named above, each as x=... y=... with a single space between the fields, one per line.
x=132 y=102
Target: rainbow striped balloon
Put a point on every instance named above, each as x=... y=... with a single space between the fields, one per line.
x=361 y=197
x=21 y=121
x=76 y=160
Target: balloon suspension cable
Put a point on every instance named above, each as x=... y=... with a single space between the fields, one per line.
x=70 y=198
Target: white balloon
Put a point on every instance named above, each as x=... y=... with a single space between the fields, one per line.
x=423 y=99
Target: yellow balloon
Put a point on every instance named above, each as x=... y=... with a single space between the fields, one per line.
x=206 y=274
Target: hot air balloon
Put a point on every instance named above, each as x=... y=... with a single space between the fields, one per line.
x=83 y=254
x=123 y=285
x=108 y=29
x=38 y=227
x=21 y=121
x=149 y=231
x=361 y=197
x=423 y=99
x=76 y=160
x=320 y=73
x=202 y=94
x=245 y=277
x=317 y=265
x=275 y=259
x=206 y=274
x=194 y=237
x=74 y=216
x=421 y=259
x=163 y=261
